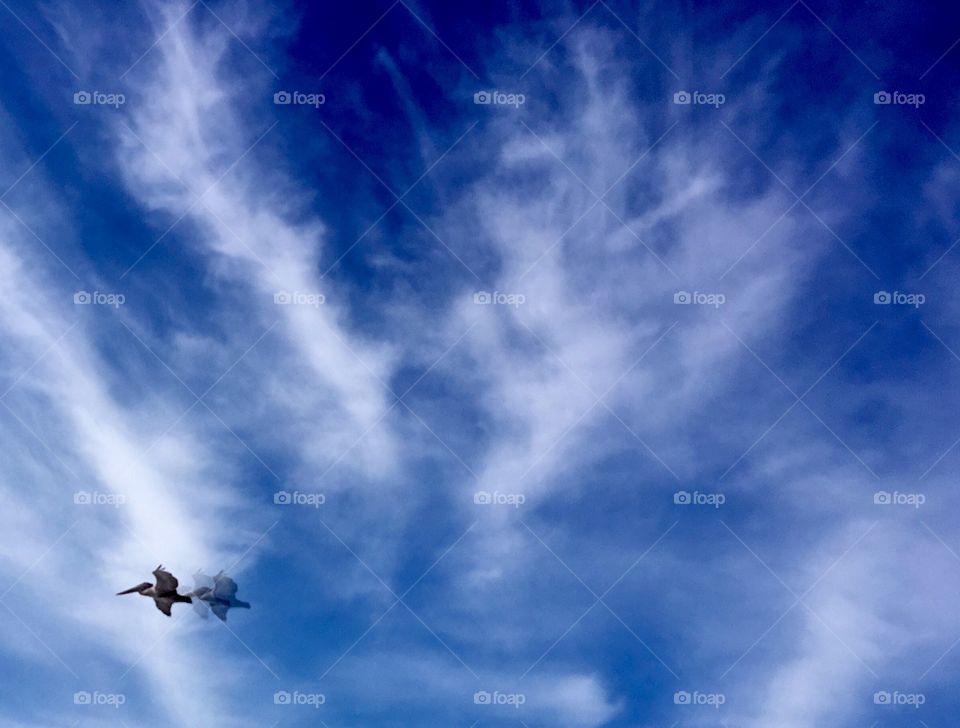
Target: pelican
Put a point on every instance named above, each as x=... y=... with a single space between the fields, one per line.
x=164 y=593
x=219 y=594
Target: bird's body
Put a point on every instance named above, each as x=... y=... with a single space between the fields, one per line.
x=164 y=592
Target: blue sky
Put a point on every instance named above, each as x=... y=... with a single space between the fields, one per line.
x=538 y=364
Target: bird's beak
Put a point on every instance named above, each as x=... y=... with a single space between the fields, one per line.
x=131 y=590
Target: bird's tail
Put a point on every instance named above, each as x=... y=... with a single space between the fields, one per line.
x=238 y=603
x=182 y=598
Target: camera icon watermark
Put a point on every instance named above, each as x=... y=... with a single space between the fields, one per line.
x=498 y=98
x=485 y=697
x=496 y=498
x=696 y=498
x=85 y=298
x=899 y=298
x=84 y=697
x=698 y=98
x=686 y=697
x=299 y=98
x=485 y=298
x=96 y=498
x=898 y=98
x=896 y=498
x=886 y=697
x=296 y=498
x=98 y=98
x=285 y=697
x=698 y=298
x=296 y=298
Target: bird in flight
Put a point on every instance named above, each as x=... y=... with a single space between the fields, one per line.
x=218 y=593
x=164 y=593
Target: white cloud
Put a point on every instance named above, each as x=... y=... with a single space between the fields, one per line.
x=187 y=130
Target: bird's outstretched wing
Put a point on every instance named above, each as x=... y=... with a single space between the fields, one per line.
x=163 y=604
x=220 y=609
x=166 y=582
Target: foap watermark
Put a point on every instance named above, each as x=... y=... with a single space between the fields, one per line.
x=296 y=498
x=99 y=98
x=97 y=298
x=484 y=697
x=896 y=498
x=299 y=98
x=685 y=697
x=698 y=298
x=899 y=298
x=297 y=298
x=885 y=697
x=485 y=298
x=496 y=498
x=698 y=98
x=696 y=498
x=85 y=697
x=285 y=697
x=499 y=98
x=96 y=498
x=898 y=98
